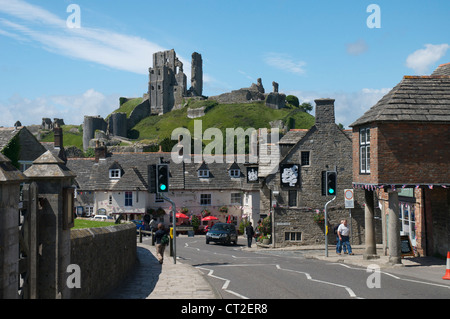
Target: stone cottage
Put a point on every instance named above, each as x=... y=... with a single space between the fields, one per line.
x=296 y=192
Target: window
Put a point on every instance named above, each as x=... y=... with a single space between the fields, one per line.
x=110 y=200
x=364 y=150
x=128 y=198
x=236 y=173
x=205 y=199
x=292 y=200
x=203 y=173
x=293 y=236
x=114 y=173
x=305 y=158
x=236 y=198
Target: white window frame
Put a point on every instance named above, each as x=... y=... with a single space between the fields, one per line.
x=364 y=150
x=235 y=173
x=236 y=199
x=203 y=173
x=293 y=236
x=115 y=173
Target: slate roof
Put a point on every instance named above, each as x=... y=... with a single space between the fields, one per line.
x=6 y=134
x=95 y=176
x=414 y=99
x=293 y=136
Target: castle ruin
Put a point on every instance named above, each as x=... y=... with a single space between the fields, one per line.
x=168 y=84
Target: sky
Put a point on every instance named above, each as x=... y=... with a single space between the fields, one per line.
x=67 y=59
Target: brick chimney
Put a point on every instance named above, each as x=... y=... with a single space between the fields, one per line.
x=58 y=132
x=100 y=151
x=325 y=111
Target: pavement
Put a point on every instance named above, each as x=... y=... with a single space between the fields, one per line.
x=151 y=280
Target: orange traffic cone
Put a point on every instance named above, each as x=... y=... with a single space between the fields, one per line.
x=447 y=272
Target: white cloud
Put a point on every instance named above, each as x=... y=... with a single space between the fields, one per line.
x=68 y=107
x=357 y=48
x=421 y=60
x=284 y=62
x=349 y=106
x=115 y=50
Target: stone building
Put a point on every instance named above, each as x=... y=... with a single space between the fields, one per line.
x=118 y=183
x=168 y=84
x=403 y=144
x=298 y=200
x=20 y=146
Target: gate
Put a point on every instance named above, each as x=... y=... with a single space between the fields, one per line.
x=28 y=242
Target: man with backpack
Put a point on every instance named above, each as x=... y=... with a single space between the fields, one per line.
x=161 y=240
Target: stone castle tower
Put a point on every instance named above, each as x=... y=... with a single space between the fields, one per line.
x=168 y=84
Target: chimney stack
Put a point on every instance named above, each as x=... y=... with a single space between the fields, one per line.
x=100 y=151
x=58 y=132
x=325 y=111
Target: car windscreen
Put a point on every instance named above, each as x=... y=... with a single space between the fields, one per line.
x=222 y=227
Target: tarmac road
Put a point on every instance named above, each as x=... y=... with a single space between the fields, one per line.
x=239 y=272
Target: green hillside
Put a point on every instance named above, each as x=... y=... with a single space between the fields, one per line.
x=155 y=129
x=247 y=115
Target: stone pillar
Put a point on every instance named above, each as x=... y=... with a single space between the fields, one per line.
x=371 y=245
x=10 y=179
x=395 y=256
x=53 y=178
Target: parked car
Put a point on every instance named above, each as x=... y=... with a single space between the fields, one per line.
x=222 y=233
x=139 y=225
x=103 y=218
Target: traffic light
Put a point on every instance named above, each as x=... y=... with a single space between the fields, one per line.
x=331 y=183
x=162 y=178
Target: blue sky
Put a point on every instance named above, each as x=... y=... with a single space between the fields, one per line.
x=313 y=49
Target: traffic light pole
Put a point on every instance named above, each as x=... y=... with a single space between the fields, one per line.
x=326 y=227
x=174 y=223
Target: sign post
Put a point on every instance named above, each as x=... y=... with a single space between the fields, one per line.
x=174 y=223
x=349 y=203
x=326 y=227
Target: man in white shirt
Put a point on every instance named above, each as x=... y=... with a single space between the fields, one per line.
x=343 y=233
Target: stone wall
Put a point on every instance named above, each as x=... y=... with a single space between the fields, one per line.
x=105 y=255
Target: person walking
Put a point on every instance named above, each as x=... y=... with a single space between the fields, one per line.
x=160 y=244
x=344 y=239
x=250 y=234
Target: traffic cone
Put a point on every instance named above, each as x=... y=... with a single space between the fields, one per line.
x=447 y=272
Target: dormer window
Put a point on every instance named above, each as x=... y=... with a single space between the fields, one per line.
x=234 y=171
x=203 y=173
x=114 y=173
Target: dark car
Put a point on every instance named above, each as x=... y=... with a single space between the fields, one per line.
x=222 y=233
x=139 y=225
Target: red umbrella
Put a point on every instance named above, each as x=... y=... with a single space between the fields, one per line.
x=210 y=218
x=181 y=215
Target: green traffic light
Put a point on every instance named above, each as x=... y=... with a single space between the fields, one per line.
x=162 y=187
x=331 y=191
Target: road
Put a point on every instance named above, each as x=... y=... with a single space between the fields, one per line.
x=238 y=273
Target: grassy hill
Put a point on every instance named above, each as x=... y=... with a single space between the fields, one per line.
x=155 y=129
x=247 y=115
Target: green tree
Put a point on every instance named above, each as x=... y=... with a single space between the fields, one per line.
x=306 y=106
x=292 y=100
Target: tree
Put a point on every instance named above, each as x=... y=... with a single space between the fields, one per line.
x=306 y=106
x=292 y=100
